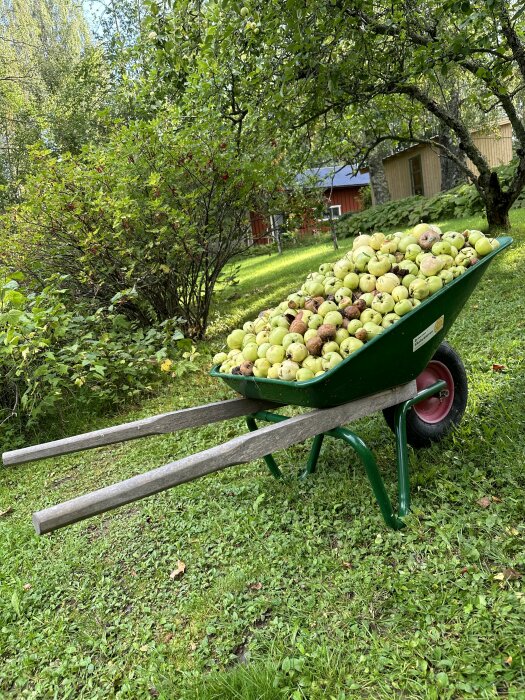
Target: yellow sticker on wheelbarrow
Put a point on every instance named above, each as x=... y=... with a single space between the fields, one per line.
x=428 y=333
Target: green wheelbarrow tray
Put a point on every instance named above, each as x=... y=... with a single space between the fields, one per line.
x=395 y=357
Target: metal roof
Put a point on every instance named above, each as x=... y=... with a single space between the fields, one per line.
x=333 y=176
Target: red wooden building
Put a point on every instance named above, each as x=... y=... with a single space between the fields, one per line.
x=342 y=190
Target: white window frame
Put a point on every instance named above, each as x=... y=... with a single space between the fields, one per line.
x=335 y=214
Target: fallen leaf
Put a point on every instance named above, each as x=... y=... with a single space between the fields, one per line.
x=347 y=565
x=499 y=577
x=464 y=570
x=193 y=646
x=484 y=502
x=498 y=368
x=7 y=511
x=168 y=637
x=27 y=586
x=256 y=586
x=508 y=661
x=144 y=647
x=496 y=499
x=181 y=568
x=133 y=573
x=511 y=574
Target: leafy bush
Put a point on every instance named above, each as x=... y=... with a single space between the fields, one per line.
x=54 y=357
x=459 y=202
x=159 y=209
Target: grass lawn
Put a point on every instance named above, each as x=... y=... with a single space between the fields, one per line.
x=291 y=590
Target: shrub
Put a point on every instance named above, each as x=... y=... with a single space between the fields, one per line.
x=159 y=209
x=54 y=357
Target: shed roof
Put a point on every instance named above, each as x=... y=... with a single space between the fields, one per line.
x=333 y=176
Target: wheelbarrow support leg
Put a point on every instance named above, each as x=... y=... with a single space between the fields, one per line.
x=403 y=477
x=374 y=477
x=270 y=461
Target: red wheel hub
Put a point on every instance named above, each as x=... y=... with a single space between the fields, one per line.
x=437 y=407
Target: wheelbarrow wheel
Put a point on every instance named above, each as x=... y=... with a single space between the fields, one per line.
x=430 y=420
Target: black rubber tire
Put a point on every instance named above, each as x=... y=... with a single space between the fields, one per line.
x=423 y=434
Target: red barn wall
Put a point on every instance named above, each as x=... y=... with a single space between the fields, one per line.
x=347 y=197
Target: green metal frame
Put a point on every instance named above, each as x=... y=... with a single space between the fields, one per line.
x=391 y=518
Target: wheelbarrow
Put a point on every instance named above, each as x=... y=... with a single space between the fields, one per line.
x=408 y=372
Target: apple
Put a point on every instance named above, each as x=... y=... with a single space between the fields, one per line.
x=446 y=260
x=410 y=266
x=428 y=239
x=234 y=340
x=378 y=266
x=483 y=246
x=334 y=318
x=288 y=370
x=367 y=283
x=398 y=293
x=304 y=375
x=263 y=348
x=314 y=289
x=310 y=333
x=383 y=303
x=276 y=336
x=441 y=248
x=377 y=240
x=404 y=242
x=389 y=246
x=331 y=346
x=363 y=249
x=342 y=334
x=420 y=229
x=279 y=322
x=361 y=261
x=387 y=282
x=250 y=352
x=372 y=329
x=290 y=338
x=447 y=275
x=474 y=236
x=407 y=279
x=273 y=372
x=313 y=363
x=349 y=346
x=341 y=293
x=315 y=321
x=296 y=352
x=344 y=302
x=434 y=284
x=261 y=367
x=454 y=238
x=275 y=354
x=351 y=280
x=412 y=251
x=326 y=268
x=342 y=268
x=430 y=266
x=331 y=360
x=389 y=319
x=219 y=358
x=367 y=298
x=360 y=241
x=326 y=307
x=332 y=286
x=354 y=325
x=419 y=289
x=370 y=315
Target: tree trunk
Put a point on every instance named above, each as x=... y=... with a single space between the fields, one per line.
x=333 y=232
x=378 y=180
x=497 y=205
x=451 y=175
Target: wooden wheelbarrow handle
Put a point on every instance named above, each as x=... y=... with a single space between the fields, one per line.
x=240 y=450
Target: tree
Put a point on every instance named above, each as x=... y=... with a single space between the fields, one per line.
x=52 y=83
x=388 y=64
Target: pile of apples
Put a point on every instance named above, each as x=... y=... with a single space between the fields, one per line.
x=348 y=303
